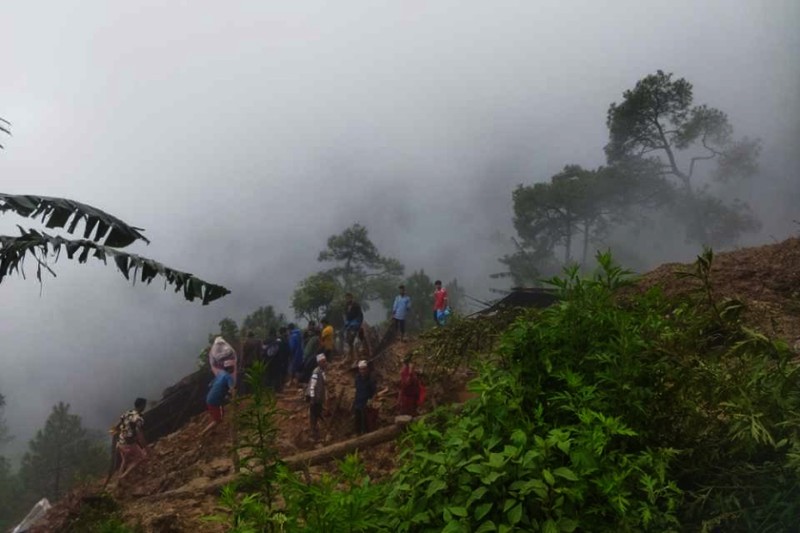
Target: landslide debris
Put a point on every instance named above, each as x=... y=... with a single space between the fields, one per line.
x=766 y=278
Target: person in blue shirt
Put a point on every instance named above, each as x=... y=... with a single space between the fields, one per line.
x=217 y=392
x=296 y=345
x=400 y=309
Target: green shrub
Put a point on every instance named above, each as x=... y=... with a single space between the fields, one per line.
x=600 y=413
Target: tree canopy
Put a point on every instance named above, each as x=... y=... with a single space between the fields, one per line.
x=60 y=454
x=262 y=320
x=658 y=143
x=657 y=123
x=314 y=296
x=656 y=120
x=358 y=268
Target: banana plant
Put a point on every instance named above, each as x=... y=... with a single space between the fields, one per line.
x=104 y=236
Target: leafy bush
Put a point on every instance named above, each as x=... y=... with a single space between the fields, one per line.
x=600 y=413
x=336 y=503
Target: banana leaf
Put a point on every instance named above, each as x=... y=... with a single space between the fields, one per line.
x=41 y=246
x=98 y=225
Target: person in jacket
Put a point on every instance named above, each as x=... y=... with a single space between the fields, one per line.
x=282 y=359
x=316 y=395
x=353 y=320
x=365 y=390
x=326 y=338
x=310 y=351
x=222 y=384
x=400 y=309
x=296 y=347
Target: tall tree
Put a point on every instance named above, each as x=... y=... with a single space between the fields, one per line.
x=229 y=331
x=358 y=268
x=12 y=505
x=313 y=298
x=657 y=122
x=60 y=454
x=5 y=435
x=262 y=320
x=575 y=205
x=104 y=236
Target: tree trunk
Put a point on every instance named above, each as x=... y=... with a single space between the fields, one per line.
x=340 y=449
x=568 y=245
x=297 y=461
x=585 y=243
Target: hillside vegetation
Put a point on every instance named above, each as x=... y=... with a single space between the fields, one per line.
x=620 y=408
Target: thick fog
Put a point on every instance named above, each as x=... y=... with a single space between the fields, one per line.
x=241 y=135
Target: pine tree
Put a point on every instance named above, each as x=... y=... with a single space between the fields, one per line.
x=60 y=455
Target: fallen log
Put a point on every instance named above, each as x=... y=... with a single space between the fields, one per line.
x=340 y=449
x=300 y=460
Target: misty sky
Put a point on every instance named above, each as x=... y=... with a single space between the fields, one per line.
x=240 y=135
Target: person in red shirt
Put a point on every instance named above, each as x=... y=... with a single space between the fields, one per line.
x=439 y=302
x=412 y=390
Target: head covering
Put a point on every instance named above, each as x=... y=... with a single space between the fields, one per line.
x=220 y=352
x=229 y=363
x=362 y=364
x=321 y=357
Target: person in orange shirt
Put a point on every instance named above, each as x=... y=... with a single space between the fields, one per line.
x=326 y=338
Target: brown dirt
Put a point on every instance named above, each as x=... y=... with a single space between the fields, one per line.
x=183 y=460
x=767 y=278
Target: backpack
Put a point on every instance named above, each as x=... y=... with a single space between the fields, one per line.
x=270 y=350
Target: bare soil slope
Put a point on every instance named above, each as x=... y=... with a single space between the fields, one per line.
x=169 y=492
x=767 y=278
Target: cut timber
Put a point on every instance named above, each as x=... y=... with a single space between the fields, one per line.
x=340 y=449
x=300 y=460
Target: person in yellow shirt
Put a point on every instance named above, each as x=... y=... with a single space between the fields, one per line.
x=326 y=337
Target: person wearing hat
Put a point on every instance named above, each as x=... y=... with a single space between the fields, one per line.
x=365 y=390
x=316 y=395
x=217 y=392
x=400 y=309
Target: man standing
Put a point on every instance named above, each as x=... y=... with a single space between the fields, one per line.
x=400 y=309
x=439 y=303
x=365 y=390
x=326 y=338
x=269 y=355
x=131 y=444
x=282 y=359
x=316 y=395
x=296 y=346
x=353 y=318
x=310 y=350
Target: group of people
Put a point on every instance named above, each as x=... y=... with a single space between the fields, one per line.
x=401 y=307
x=293 y=356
